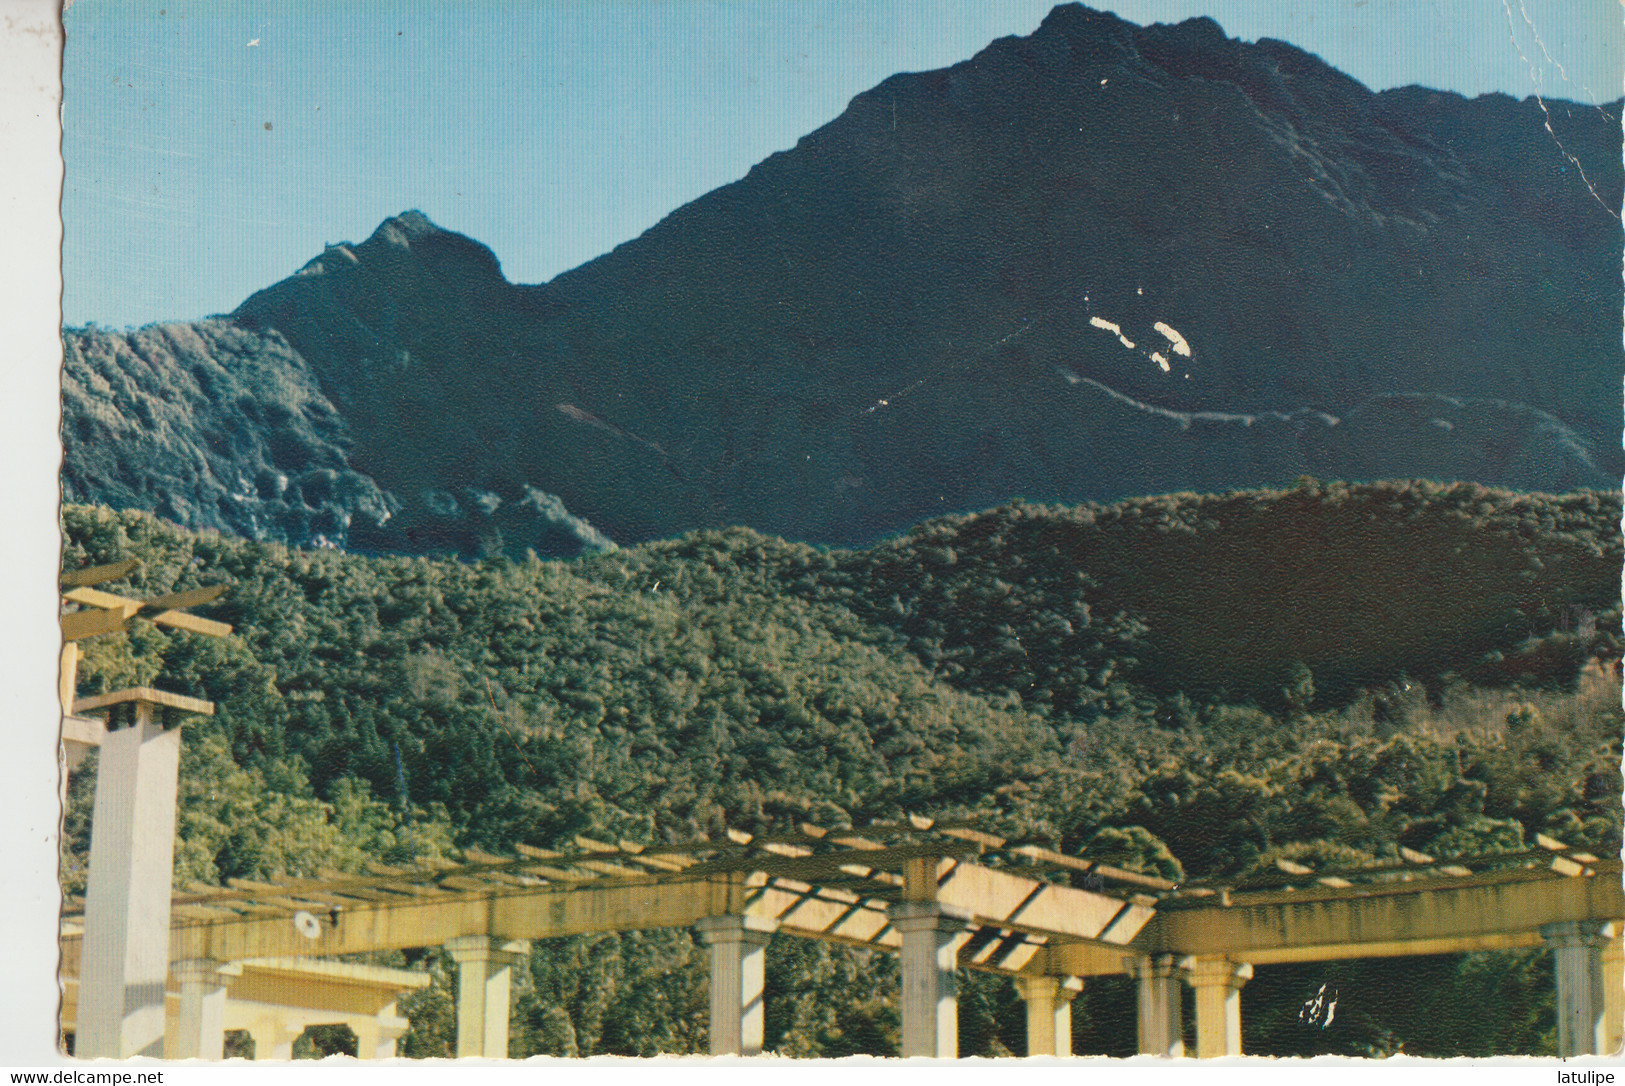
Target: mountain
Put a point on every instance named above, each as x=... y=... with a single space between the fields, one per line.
x=1098 y=261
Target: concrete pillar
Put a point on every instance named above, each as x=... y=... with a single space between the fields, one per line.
x=1159 y=1019
x=931 y=939
x=67 y=676
x=376 y=1038
x=483 y=988
x=738 y=957
x=1613 y=994
x=1217 y=984
x=274 y=1037
x=1577 y=947
x=199 y=1029
x=132 y=845
x=1049 y=1013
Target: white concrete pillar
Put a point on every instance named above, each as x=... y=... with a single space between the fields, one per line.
x=132 y=850
x=1577 y=948
x=199 y=1029
x=738 y=958
x=1049 y=1013
x=274 y=1037
x=483 y=989
x=1217 y=984
x=377 y=1038
x=1613 y=994
x=931 y=940
x=1159 y=1019
x=67 y=676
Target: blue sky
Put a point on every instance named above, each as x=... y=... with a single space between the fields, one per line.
x=213 y=146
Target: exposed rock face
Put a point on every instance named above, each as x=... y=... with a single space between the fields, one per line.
x=214 y=426
x=1097 y=261
x=210 y=426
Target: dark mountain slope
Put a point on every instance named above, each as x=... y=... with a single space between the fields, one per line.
x=980 y=282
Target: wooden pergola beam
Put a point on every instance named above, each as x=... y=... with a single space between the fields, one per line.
x=90 y=575
x=1503 y=911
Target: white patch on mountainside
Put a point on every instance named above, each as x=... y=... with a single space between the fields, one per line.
x=1181 y=347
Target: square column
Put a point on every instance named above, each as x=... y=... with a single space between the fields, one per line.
x=377 y=1038
x=738 y=958
x=1159 y=1019
x=1217 y=983
x=1577 y=950
x=931 y=939
x=1613 y=993
x=132 y=852
x=1049 y=1013
x=483 y=988
x=274 y=1037
x=200 y=1027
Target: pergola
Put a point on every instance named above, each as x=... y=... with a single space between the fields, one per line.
x=274 y=1001
x=944 y=895
x=133 y=829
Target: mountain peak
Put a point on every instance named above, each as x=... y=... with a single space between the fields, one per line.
x=1077 y=18
x=411 y=225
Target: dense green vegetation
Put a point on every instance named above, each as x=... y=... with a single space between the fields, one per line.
x=1192 y=685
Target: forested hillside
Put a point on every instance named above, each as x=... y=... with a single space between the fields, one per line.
x=1193 y=685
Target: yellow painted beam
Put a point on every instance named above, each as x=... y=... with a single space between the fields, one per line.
x=1023 y=904
x=107 y=601
x=146 y=695
x=179 y=601
x=112 y=571
x=92 y=623
x=180 y=620
x=1440 y=917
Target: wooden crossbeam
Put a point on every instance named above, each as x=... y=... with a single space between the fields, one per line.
x=112 y=571
x=181 y=620
x=1565 y=866
x=202 y=912
x=107 y=601
x=254 y=887
x=779 y=848
x=162 y=699
x=92 y=623
x=107 y=612
x=464 y=882
x=974 y=836
x=476 y=856
x=604 y=867
x=180 y=601
x=979 y=947
x=556 y=874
